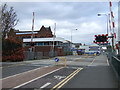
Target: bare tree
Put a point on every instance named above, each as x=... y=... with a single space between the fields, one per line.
x=8 y=19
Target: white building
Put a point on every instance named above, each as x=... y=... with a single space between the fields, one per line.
x=90 y=48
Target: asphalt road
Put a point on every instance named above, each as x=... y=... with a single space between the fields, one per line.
x=9 y=71
x=97 y=74
x=81 y=72
x=94 y=77
x=13 y=68
x=50 y=80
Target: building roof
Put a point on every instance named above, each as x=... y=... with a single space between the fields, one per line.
x=43 y=39
x=22 y=33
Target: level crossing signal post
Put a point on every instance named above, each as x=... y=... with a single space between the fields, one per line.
x=101 y=39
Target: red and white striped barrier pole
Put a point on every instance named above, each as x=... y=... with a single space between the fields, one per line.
x=112 y=19
x=32 y=36
x=32 y=27
x=113 y=26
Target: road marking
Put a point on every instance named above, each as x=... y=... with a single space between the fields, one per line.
x=45 y=85
x=38 y=77
x=15 y=65
x=22 y=73
x=59 y=77
x=68 y=79
x=60 y=84
x=91 y=62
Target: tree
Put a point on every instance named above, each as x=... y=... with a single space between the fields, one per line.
x=8 y=19
x=11 y=47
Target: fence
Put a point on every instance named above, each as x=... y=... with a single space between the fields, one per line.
x=38 y=55
x=115 y=63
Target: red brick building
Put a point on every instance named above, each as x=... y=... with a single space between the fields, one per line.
x=45 y=45
x=43 y=42
x=44 y=32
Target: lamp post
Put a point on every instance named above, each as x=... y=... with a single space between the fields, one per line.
x=108 y=17
x=71 y=33
x=71 y=37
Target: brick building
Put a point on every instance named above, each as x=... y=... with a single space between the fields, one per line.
x=44 y=32
x=43 y=42
x=45 y=46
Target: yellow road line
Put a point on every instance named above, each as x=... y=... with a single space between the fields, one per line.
x=69 y=79
x=62 y=82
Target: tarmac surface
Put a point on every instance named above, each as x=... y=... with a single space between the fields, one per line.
x=94 y=77
x=81 y=72
x=98 y=74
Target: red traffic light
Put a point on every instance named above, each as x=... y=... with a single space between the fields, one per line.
x=106 y=34
x=102 y=34
x=95 y=35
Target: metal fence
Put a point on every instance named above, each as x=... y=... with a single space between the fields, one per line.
x=38 y=55
x=115 y=63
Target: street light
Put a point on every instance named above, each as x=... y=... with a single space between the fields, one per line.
x=71 y=33
x=108 y=17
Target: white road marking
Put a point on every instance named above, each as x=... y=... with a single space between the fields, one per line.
x=45 y=85
x=23 y=73
x=91 y=62
x=59 y=77
x=38 y=77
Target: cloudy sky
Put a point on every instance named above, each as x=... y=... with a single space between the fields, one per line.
x=68 y=16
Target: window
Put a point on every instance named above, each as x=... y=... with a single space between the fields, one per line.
x=39 y=43
x=46 y=43
x=27 y=44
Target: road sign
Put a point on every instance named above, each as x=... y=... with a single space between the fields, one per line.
x=56 y=59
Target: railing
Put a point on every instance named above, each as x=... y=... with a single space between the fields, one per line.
x=116 y=64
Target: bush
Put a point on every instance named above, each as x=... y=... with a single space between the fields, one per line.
x=12 y=50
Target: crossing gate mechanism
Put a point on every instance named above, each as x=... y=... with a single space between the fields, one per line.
x=60 y=61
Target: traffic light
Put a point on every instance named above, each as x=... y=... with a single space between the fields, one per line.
x=101 y=39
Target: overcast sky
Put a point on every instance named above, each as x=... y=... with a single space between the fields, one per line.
x=67 y=16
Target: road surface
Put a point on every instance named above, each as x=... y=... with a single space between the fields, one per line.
x=80 y=72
